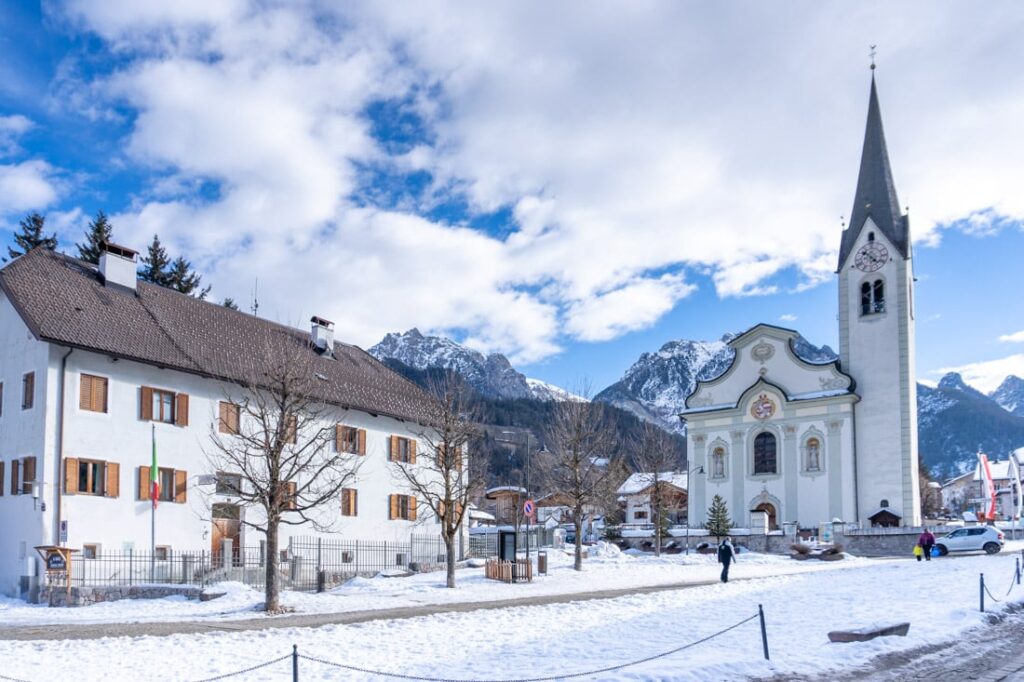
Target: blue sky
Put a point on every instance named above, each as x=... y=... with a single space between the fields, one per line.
x=570 y=185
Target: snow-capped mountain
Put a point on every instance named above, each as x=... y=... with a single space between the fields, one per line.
x=492 y=375
x=955 y=420
x=542 y=390
x=657 y=385
x=1010 y=395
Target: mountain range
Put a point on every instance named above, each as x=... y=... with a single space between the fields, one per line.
x=954 y=420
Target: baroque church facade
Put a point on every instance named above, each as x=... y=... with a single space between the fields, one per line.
x=807 y=443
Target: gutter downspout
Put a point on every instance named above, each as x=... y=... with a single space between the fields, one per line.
x=60 y=448
x=856 y=478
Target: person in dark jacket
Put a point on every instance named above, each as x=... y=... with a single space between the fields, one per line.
x=927 y=541
x=726 y=555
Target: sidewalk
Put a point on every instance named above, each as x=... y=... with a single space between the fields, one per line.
x=312 y=620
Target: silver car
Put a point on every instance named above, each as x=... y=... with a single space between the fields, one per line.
x=972 y=539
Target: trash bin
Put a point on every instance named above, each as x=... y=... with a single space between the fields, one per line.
x=542 y=563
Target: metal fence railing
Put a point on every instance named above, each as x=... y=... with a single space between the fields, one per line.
x=483 y=545
x=307 y=563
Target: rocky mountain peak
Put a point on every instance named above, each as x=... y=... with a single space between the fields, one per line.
x=1010 y=395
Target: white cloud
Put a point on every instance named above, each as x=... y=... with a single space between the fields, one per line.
x=26 y=186
x=787 y=317
x=1016 y=337
x=629 y=140
x=986 y=376
x=12 y=128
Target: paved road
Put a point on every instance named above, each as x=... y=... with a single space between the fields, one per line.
x=991 y=653
x=98 y=630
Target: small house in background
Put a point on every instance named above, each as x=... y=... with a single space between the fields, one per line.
x=505 y=503
x=637 y=491
x=555 y=506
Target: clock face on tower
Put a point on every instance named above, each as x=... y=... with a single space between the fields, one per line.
x=871 y=257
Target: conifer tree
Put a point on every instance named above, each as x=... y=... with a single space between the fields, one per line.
x=99 y=232
x=30 y=236
x=156 y=264
x=718 y=523
x=181 y=277
x=230 y=303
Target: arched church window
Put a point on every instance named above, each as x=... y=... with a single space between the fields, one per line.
x=879 y=296
x=865 y=299
x=718 y=463
x=765 y=460
x=813 y=454
x=883 y=504
x=871 y=236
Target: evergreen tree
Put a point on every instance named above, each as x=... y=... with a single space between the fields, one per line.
x=181 y=277
x=156 y=264
x=230 y=303
x=30 y=236
x=718 y=523
x=100 y=231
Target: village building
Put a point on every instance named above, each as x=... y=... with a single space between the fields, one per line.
x=636 y=494
x=805 y=443
x=95 y=366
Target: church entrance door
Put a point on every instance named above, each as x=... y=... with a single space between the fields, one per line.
x=769 y=509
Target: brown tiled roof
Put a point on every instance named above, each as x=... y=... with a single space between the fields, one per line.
x=64 y=301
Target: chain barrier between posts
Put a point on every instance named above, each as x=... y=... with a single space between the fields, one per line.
x=246 y=670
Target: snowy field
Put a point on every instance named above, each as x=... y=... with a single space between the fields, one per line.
x=608 y=568
x=939 y=598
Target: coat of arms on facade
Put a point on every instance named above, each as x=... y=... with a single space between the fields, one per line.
x=763 y=407
x=762 y=352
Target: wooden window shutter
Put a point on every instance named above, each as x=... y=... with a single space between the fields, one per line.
x=392 y=506
x=85 y=392
x=441 y=506
x=144 y=483
x=355 y=502
x=70 y=475
x=291 y=428
x=180 y=486
x=458 y=461
x=344 y=502
x=28 y=474
x=99 y=394
x=412 y=451
x=338 y=441
x=1 y=479
x=181 y=409
x=392 y=448
x=112 y=477
x=361 y=436
x=146 y=409
x=292 y=502
x=412 y=508
x=15 y=475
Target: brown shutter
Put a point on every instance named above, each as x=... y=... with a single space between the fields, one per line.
x=412 y=451
x=361 y=435
x=1 y=479
x=355 y=502
x=181 y=409
x=15 y=475
x=85 y=392
x=338 y=438
x=344 y=502
x=146 y=409
x=412 y=508
x=458 y=462
x=28 y=474
x=180 y=489
x=99 y=395
x=70 y=475
x=292 y=502
x=392 y=506
x=112 y=477
x=222 y=417
x=144 y=483
x=392 y=447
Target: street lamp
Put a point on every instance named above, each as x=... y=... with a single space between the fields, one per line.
x=528 y=436
x=696 y=470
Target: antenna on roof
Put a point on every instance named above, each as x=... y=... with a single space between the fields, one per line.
x=255 y=307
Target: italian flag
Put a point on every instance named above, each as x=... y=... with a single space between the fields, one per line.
x=154 y=476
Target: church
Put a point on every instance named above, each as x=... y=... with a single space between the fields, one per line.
x=805 y=443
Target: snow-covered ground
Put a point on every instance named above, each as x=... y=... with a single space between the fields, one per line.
x=939 y=598
x=607 y=568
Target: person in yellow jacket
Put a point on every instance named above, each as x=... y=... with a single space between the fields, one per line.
x=918 y=552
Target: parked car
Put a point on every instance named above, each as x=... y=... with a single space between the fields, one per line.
x=972 y=539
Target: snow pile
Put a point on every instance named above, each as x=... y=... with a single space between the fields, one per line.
x=605 y=550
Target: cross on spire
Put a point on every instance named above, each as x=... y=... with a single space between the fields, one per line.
x=872 y=55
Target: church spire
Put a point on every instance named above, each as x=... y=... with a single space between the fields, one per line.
x=876 y=191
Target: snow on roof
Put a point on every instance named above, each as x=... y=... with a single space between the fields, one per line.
x=810 y=395
x=638 y=482
x=481 y=515
x=1000 y=470
x=505 y=489
x=887 y=510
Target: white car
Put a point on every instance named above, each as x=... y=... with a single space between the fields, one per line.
x=972 y=539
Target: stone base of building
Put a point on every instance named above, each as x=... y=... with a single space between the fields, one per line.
x=84 y=596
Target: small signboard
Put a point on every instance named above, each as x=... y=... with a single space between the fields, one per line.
x=63 y=532
x=528 y=508
x=56 y=562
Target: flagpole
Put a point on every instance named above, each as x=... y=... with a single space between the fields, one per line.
x=152 y=515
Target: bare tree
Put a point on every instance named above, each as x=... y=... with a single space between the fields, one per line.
x=581 y=441
x=656 y=457
x=443 y=476
x=277 y=438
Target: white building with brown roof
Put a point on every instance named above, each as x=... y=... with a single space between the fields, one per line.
x=95 y=365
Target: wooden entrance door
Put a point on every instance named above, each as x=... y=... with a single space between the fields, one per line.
x=227 y=525
x=769 y=509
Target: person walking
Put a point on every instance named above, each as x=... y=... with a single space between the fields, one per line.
x=726 y=555
x=927 y=541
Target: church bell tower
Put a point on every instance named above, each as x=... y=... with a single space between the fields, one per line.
x=876 y=337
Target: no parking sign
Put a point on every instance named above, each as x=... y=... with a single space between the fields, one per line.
x=528 y=508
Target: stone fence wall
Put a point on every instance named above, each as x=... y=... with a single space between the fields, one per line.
x=83 y=596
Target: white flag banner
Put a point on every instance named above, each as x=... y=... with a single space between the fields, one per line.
x=1016 y=483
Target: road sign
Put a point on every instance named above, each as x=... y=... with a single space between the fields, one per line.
x=528 y=508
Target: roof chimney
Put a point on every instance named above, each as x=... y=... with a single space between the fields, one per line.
x=117 y=265
x=322 y=335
